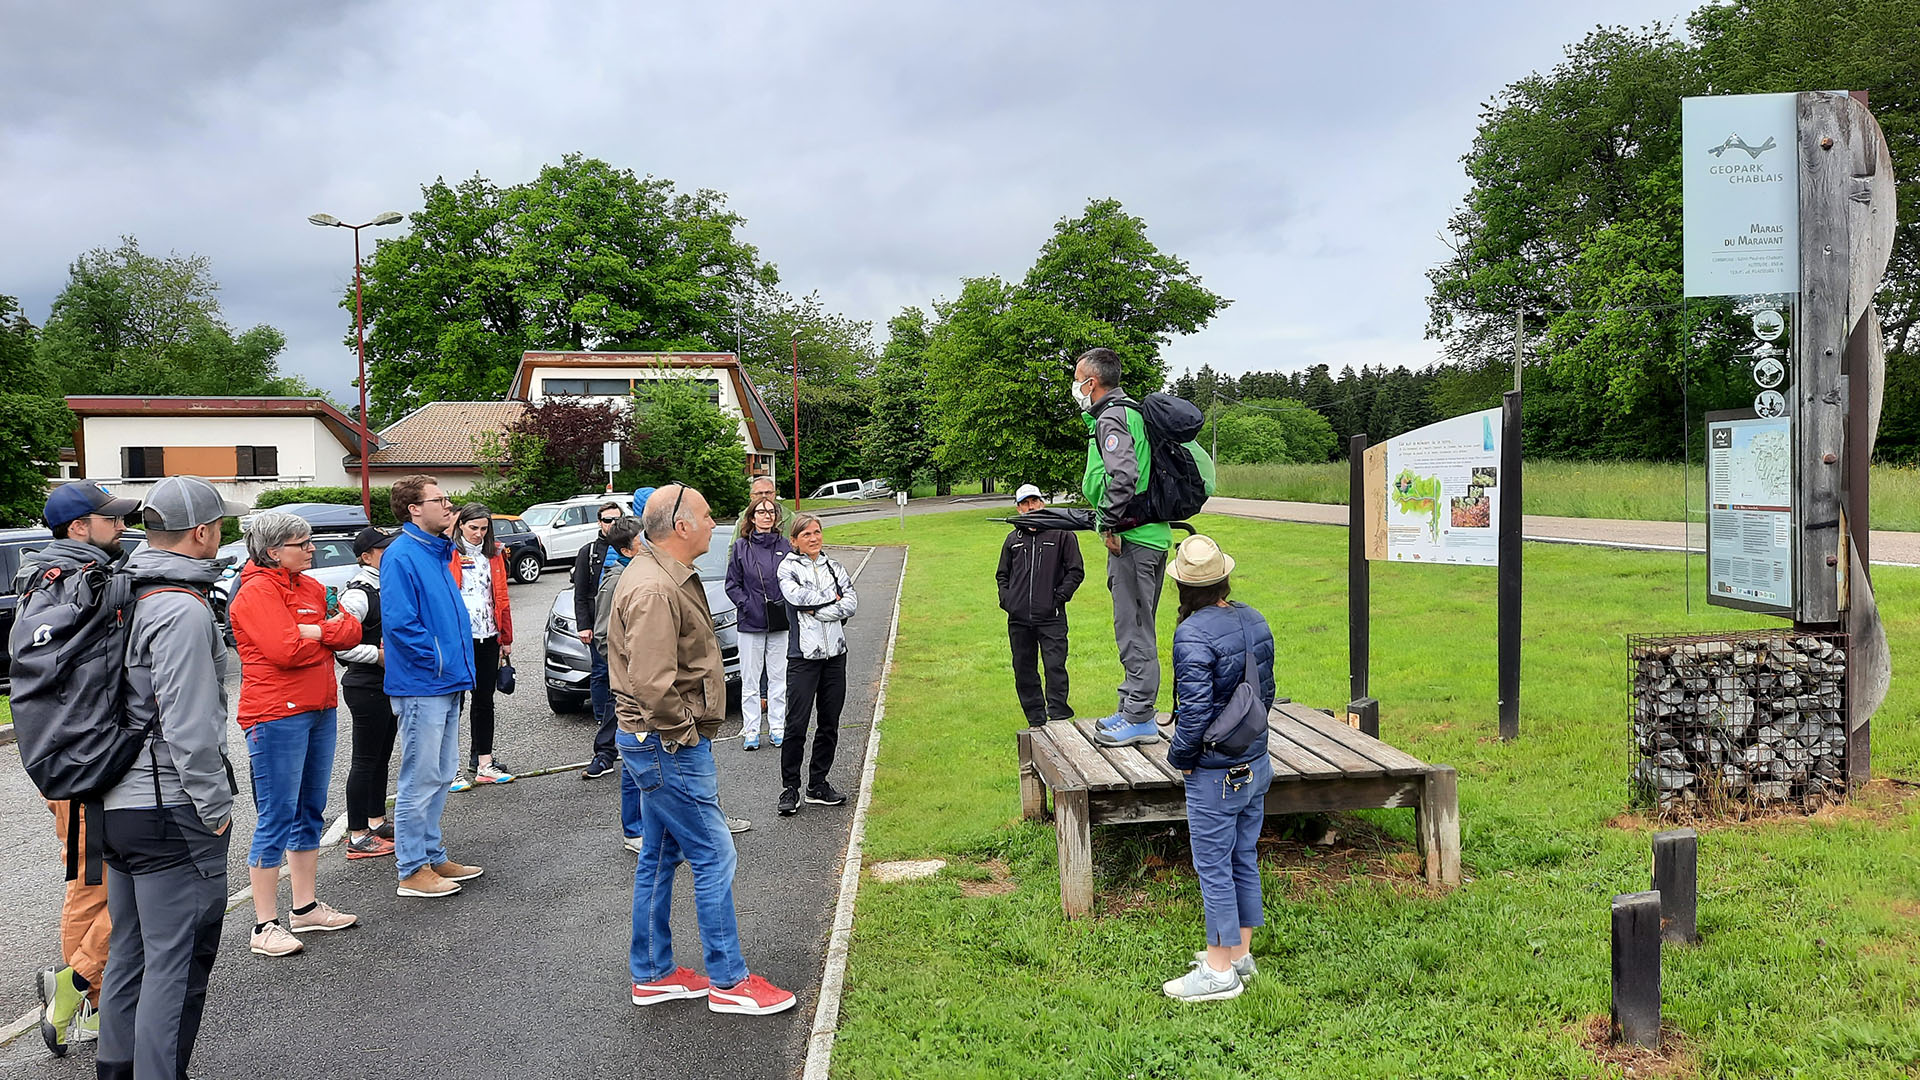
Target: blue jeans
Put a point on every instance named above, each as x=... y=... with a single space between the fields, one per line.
x=600 y=692
x=292 y=761
x=429 y=760
x=1223 y=826
x=681 y=822
x=629 y=800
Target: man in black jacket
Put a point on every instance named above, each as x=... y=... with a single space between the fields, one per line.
x=587 y=567
x=1039 y=571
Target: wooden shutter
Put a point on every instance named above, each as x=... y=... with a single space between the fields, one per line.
x=266 y=461
x=243 y=461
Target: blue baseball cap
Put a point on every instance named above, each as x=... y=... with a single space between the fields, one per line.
x=72 y=501
x=640 y=497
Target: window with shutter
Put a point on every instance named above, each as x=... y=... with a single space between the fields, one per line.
x=243 y=461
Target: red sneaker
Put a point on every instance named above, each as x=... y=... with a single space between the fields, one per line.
x=683 y=983
x=752 y=995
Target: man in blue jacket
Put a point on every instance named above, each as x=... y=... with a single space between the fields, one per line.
x=429 y=671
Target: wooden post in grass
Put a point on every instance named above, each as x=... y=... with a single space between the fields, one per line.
x=1636 y=969
x=1363 y=711
x=1073 y=826
x=1508 y=631
x=1676 y=864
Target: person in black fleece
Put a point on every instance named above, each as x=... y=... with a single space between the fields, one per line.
x=1039 y=572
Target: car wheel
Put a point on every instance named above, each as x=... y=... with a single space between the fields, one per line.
x=526 y=567
x=562 y=702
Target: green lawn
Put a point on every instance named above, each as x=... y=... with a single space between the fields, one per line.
x=1613 y=489
x=1811 y=927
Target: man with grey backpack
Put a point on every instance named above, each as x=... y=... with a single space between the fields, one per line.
x=143 y=737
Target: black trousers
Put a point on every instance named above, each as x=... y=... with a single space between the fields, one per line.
x=486 y=675
x=374 y=726
x=167 y=896
x=809 y=682
x=1035 y=644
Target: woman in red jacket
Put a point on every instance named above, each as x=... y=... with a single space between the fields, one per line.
x=287 y=709
x=480 y=570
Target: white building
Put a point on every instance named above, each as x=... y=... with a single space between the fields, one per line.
x=244 y=445
x=612 y=375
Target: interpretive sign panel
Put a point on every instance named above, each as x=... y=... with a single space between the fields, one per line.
x=1741 y=192
x=1750 y=511
x=1442 y=492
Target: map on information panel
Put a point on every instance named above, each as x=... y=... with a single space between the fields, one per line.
x=1750 y=511
x=1443 y=492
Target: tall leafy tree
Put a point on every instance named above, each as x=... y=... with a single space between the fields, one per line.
x=898 y=440
x=34 y=422
x=836 y=357
x=128 y=322
x=584 y=256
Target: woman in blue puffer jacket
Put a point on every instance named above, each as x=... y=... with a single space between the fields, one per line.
x=1226 y=791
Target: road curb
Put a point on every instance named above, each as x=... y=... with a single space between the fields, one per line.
x=826 y=1014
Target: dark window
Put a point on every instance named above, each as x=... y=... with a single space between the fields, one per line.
x=563 y=386
x=333 y=553
x=139 y=462
x=256 y=461
x=610 y=387
x=713 y=389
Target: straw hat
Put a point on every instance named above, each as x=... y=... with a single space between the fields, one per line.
x=1200 y=562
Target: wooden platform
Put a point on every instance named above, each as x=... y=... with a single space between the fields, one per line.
x=1319 y=764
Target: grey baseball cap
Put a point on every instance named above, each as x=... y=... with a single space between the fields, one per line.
x=179 y=503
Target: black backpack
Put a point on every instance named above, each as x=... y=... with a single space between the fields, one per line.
x=69 y=653
x=1175 y=489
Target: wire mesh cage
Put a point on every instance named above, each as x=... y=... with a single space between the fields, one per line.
x=1733 y=724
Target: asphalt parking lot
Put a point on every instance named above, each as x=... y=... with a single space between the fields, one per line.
x=524 y=974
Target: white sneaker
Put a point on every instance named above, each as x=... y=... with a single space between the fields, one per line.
x=1242 y=967
x=632 y=843
x=1202 y=983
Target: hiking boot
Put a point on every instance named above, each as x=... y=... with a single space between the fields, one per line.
x=453 y=871
x=826 y=794
x=596 y=768
x=1242 y=967
x=632 y=843
x=322 y=917
x=86 y=1024
x=460 y=783
x=1129 y=735
x=60 y=1000
x=424 y=882
x=753 y=996
x=368 y=846
x=1108 y=723
x=1202 y=983
x=789 y=802
x=491 y=773
x=274 y=940
x=682 y=983
x=385 y=831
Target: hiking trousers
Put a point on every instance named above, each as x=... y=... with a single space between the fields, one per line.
x=1135 y=576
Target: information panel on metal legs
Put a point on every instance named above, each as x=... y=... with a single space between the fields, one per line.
x=1750 y=511
x=1442 y=485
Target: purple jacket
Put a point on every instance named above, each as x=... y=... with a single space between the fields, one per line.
x=753 y=565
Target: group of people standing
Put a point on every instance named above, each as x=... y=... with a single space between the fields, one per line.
x=1219 y=645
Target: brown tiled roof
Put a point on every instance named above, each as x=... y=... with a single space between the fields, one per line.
x=443 y=433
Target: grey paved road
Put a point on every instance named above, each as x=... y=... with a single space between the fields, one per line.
x=524 y=973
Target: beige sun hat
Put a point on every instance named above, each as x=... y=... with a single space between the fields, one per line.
x=1200 y=562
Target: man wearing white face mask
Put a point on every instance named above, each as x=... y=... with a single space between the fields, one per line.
x=1118 y=464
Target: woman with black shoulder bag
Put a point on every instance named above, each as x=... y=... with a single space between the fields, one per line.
x=1223 y=657
x=753 y=584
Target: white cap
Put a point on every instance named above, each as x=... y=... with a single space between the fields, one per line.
x=1027 y=491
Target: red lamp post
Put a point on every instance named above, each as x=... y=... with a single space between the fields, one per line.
x=359 y=335
x=796 y=422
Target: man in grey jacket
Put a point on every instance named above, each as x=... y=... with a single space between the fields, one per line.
x=168 y=821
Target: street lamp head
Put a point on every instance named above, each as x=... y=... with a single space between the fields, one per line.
x=323 y=219
x=388 y=218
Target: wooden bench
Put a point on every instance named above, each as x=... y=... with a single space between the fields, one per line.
x=1319 y=764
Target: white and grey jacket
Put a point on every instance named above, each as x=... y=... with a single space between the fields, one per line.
x=820 y=598
x=176 y=673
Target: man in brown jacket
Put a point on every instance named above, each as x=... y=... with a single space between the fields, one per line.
x=670 y=694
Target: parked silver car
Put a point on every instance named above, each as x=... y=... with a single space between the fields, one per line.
x=568 y=665
x=334 y=564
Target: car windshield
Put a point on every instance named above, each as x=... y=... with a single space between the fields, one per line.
x=332 y=551
x=713 y=565
x=537 y=516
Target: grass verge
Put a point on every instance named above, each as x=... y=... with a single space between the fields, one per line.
x=1636 y=491
x=1810 y=926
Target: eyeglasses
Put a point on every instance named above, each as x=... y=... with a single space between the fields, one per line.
x=765 y=510
x=444 y=500
x=609 y=520
x=307 y=544
x=674 y=518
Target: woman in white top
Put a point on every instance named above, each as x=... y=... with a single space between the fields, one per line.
x=480 y=570
x=820 y=598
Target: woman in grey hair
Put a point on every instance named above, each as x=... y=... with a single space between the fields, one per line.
x=288 y=702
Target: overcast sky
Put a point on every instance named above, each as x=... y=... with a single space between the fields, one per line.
x=1302 y=158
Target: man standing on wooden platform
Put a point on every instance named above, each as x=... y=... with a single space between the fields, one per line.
x=1118 y=465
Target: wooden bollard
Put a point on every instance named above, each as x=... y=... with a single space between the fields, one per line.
x=1636 y=969
x=1676 y=866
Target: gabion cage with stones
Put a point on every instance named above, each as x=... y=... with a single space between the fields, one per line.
x=1727 y=724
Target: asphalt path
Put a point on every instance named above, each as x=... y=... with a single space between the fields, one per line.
x=524 y=973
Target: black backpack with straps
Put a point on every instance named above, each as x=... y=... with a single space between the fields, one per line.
x=1175 y=489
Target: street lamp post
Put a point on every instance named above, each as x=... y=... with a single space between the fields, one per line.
x=360 y=340
x=796 y=422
